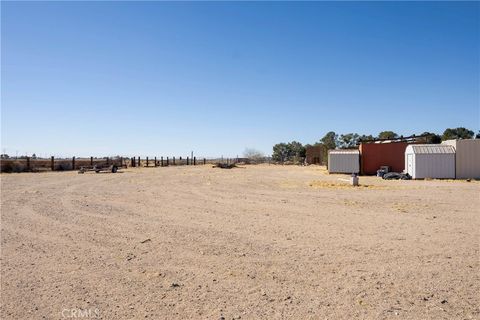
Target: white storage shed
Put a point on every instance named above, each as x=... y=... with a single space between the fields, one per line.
x=430 y=161
x=344 y=161
x=467 y=158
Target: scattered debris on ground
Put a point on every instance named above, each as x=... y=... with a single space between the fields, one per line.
x=396 y=176
x=225 y=165
x=99 y=168
x=340 y=185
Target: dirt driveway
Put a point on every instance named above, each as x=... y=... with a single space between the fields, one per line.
x=264 y=242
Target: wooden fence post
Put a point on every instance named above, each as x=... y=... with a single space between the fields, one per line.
x=161 y=161
x=147 y=161
x=91 y=161
x=187 y=161
x=52 y=163
x=194 y=161
x=167 y=162
x=28 y=163
x=204 y=161
x=73 y=163
x=173 y=159
x=155 y=161
x=139 y=163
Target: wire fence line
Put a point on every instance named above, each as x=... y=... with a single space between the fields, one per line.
x=35 y=164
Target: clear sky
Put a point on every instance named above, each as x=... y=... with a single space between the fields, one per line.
x=155 y=78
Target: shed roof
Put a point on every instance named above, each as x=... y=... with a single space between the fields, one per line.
x=430 y=148
x=344 y=151
x=454 y=142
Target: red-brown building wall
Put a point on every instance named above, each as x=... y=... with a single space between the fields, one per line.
x=314 y=154
x=375 y=155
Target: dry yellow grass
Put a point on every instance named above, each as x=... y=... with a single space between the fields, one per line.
x=345 y=185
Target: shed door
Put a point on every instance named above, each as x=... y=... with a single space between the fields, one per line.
x=410 y=164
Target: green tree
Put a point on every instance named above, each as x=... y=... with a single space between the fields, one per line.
x=330 y=140
x=387 y=135
x=431 y=138
x=280 y=152
x=292 y=151
x=457 y=133
x=348 y=140
x=296 y=149
x=365 y=137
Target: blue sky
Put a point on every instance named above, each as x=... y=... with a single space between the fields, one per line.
x=155 y=78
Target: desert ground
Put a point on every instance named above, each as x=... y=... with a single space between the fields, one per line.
x=261 y=242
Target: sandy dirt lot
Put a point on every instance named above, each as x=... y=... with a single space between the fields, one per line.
x=264 y=242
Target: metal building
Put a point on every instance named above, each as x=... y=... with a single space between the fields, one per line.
x=344 y=161
x=382 y=153
x=467 y=158
x=430 y=161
